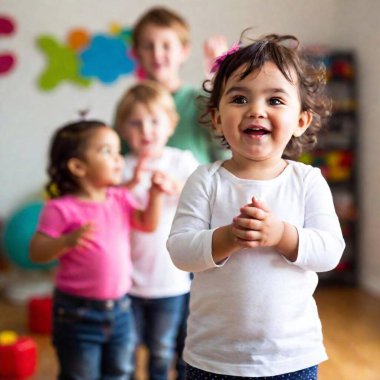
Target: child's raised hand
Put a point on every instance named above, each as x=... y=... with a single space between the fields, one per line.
x=165 y=183
x=213 y=47
x=140 y=167
x=80 y=237
x=257 y=226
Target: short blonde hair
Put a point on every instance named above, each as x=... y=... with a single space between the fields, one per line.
x=162 y=17
x=148 y=93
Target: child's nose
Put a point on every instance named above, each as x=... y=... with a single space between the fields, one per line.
x=118 y=157
x=146 y=128
x=257 y=109
x=157 y=51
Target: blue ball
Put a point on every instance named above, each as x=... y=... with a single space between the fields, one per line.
x=17 y=234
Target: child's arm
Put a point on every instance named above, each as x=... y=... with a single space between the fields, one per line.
x=224 y=243
x=317 y=245
x=44 y=248
x=193 y=245
x=147 y=220
x=137 y=173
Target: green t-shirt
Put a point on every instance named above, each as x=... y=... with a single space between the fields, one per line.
x=189 y=133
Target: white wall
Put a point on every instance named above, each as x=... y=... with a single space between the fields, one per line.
x=359 y=28
x=28 y=116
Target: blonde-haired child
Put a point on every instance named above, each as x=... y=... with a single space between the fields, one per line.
x=146 y=118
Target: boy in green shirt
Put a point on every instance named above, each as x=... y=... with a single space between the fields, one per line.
x=161 y=45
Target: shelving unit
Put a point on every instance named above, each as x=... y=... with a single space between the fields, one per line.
x=336 y=156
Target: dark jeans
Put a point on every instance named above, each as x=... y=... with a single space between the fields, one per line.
x=93 y=339
x=310 y=373
x=180 y=365
x=157 y=321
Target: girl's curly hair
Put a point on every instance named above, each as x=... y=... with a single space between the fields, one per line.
x=67 y=142
x=284 y=51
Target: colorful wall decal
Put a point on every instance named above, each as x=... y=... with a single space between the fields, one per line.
x=7 y=25
x=7 y=59
x=78 y=39
x=63 y=64
x=83 y=58
x=106 y=59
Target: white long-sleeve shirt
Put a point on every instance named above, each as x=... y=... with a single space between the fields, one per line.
x=254 y=314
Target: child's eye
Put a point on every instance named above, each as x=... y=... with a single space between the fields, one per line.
x=106 y=150
x=275 y=101
x=146 y=46
x=134 y=123
x=239 y=99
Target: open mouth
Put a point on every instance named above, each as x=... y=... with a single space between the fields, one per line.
x=256 y=131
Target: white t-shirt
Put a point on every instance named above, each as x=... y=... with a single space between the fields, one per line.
x=254 y=314
x=154 y=274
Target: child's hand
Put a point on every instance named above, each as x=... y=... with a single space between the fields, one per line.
x=165 y=183
x=256 y=226
x=80 y=237
x=44 y=249
x=213 y=47
x=141 y=166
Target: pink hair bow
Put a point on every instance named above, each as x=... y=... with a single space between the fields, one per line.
x=218 y=61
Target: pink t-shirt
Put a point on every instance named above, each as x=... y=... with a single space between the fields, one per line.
x=104 y=270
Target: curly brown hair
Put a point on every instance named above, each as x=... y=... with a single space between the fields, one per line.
x=285 y=52
x=68 y=142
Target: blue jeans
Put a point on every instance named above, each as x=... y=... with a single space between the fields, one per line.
x=93 y=339
x=157 y=322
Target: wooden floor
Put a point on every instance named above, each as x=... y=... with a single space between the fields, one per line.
x=351 y=325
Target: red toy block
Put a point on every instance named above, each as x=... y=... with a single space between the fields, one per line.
x=18 y=358
x=40 y=315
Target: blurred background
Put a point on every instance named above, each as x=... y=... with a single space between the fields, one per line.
x=42 y=87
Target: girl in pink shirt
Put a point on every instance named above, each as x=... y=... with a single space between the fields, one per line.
x=84 y=226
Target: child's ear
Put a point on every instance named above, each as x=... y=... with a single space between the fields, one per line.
x=216 y=120
x=76 y=167
x=304 y=122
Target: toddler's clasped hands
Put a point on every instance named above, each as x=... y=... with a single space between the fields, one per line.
x=257 y=226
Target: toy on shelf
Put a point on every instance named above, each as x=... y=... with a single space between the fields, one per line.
x=18 y=356
x=40 y=315
x=342 y=68
x=336 y=165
